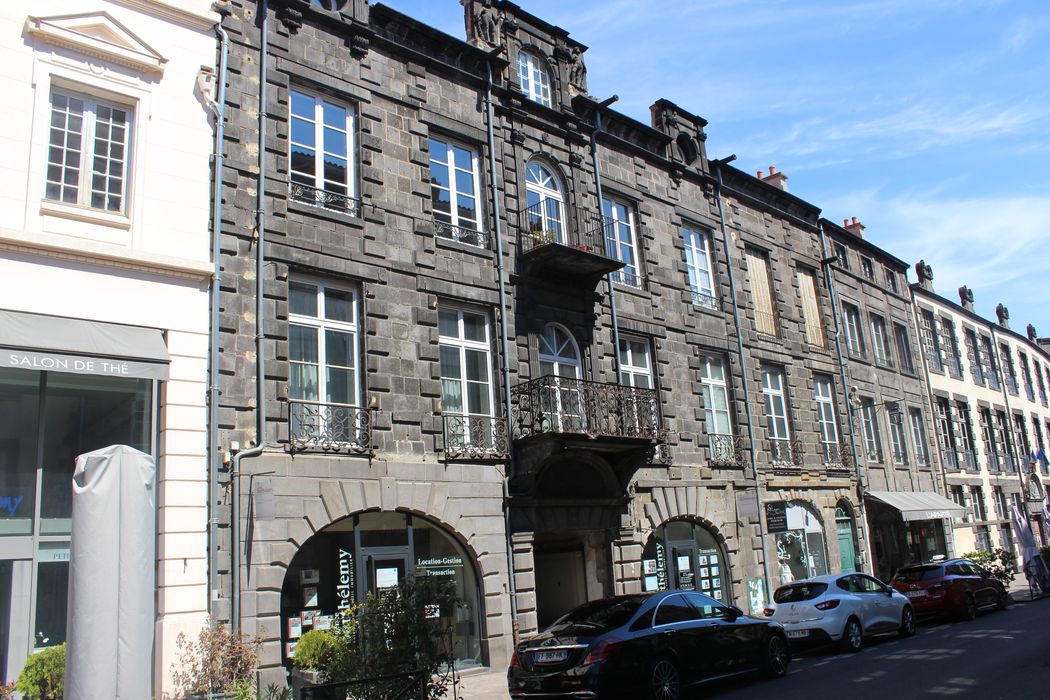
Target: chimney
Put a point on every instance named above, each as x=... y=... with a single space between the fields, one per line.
x=854 y=227
x=777 y=179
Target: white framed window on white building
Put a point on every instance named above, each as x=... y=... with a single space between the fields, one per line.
x=714 y=393
x=777 y=422
x=918 y=437
x=88 y=157
x=699 y=268
x=621 y=241
x=321 y=148
x=533 y=78
x=454 y=191
x=824 y=396
x=324 y=382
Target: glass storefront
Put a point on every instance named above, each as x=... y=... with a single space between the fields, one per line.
x=368 y=553
x=800 y=550
x=47 y=419
x=684 y=555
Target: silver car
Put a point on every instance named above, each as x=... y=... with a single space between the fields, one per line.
x=843 y=608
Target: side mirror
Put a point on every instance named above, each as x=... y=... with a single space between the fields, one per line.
x=733 y=612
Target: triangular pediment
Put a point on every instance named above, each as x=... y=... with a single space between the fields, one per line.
x=97 y=34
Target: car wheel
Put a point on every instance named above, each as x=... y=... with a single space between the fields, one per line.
x=1003 y=601
x=665 y=683
x=907 y=623
x=970 y=609
x=852 y=636
x=778 y=656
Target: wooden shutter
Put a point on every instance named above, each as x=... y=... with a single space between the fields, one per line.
x=807 y=285
x=758 y=272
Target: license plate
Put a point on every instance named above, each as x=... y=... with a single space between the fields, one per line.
x=915 y=594
x=550 y=657
x=797 y=634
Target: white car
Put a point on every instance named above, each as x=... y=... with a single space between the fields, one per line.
x=843 y=608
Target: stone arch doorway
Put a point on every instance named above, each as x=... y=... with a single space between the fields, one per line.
x=687 y=554
x=368 y=553
x=846 y=530
x=801 y=550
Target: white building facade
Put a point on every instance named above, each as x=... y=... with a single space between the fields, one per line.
x=105 y=267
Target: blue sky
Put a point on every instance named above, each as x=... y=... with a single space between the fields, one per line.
x=929 y=120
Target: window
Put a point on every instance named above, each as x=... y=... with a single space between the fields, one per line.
x=965 y=435
x=1037 y=431
x=867 y=268
x=533 y=78
x=869 y=426
x=880 y=341
x=454 y=191
x=891 y=280
x=842 y=256
x=930 y=344
x=989 y=364
x=766 y=321
x=546 y=204
x=918 y=437
x=1001 y=506
x=854 y=337
x=776 y=414
x=320 y=146
x=87 y=156
x=560 y=358
x=946 y=432
x=635 y=368
x=465 y=342
x=1023 y=446
x=698 y=266
x=958 y=494
x=829 y=432
x=1040 y=382
x=974 y=355
x=620 y=241
x=950 y=347
x=988 y=439
x=977 y=504
x=907 y=363
x=1002 y=429
x=1026 y=374
x=1008 y=368
x=714 y=394
x=811 y=315
x=898 y=441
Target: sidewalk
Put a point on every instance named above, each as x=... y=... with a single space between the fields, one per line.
x=483 y=685
x=1020 y=593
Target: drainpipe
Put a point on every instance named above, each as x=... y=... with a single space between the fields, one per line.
x=505 y=343
x=719 y=164
x=218 y=109
x=861 y=482
x=601 y=217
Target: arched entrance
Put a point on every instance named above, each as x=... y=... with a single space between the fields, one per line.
x=801 y=551
x=370 y=552
x=686 y=555
x=846 y=528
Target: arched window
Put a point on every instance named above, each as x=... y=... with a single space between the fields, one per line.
x=559 y=355
x=545 y=200
x=685 y=555
x=560 y=398
x=847 y=534
x=800 y=549
x=533 y=78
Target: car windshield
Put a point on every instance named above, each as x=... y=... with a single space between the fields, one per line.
x=602 y=614
x=799 y=592
x=919 y=573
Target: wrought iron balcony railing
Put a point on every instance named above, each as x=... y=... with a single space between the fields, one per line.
x=602 y=229
x=461 y=234
x=951 y=462
x=551 y=246
x=330 y=427
x=785 y=452
x=995 y=464
x=993 y=381
x=544 y=223
x=561 y=405
x=475 y=437
x=706 y=301
x=725 y=450
x=934 y=358
x=968 y=460
x=837 y=456
x=954 y=367
x=326 y=199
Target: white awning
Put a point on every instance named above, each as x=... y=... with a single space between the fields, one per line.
x=919 y=505
x=79 y=346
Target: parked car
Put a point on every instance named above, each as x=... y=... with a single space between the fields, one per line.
x=843 y=608
x=652 y=646
x=955 y=587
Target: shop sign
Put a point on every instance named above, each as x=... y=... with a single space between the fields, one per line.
x=82 y=364
x=776 y=517
x=9 y=505
x=344 y=589
x=439 y=566
x=661 y=567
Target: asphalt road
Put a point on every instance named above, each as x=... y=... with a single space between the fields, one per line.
x=1000 y=655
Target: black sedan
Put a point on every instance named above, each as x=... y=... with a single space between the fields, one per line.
x=653 y=646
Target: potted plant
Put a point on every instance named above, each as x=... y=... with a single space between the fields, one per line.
x=313 y=653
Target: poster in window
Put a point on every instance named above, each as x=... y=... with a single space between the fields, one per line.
x=386 y=578
x=705 y=584
x=323 y=622
x=289 y=649
x=310 y=596
x=713 y=559
x=295 y=627
x=649 y=567
x=705 y=572
x=652 y=583
x=308 y=617
x=716 y=582
x=717 y=594
x=702 y=560
x=309 y=576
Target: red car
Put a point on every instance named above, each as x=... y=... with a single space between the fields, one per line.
x=955 y=586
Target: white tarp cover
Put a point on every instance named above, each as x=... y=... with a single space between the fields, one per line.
x=919 y=505
x=109 y=630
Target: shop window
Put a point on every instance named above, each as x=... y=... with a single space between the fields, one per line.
x=684 y=555
x=19 y=410
x=800 y=549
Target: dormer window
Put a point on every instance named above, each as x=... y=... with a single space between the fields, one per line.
x=533 y=78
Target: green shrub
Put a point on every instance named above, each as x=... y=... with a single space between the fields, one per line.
x=313 y=650
x=1000 y=564
x=43 y=675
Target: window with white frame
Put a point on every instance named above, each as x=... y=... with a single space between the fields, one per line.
x=867 y=268
x=635 y=366
x=918 y=437
x=454 y=190
x=533 y=77
x=560 y=360
x=898 y=440
x=869 y=424
x=977 y=504
x=1009 y=374
x=620 y=240
x=698 y=267
x=465 y=344
x=891 y=280
x=966 y=436
x=931 y=346
x=880 y=341
x=974 y=353
x=829 y=432
x=545 y=200
x=854 y=336
x=812 y=317
x=324 y=388
x=990 y=366
x=89 y=145
x=907 y=363
x=714 y=393
x=988 y=438
x=776 y=414
x=1001 y=506
x=950 y=347
x=321 y=135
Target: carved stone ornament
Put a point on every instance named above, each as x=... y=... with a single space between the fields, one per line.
x=965 y=295
x=576 y=159
x=1002 y=313
x=1032 y=335
x=577 y=72
x=291 y=18
x=484 y=24
x=923 y=271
